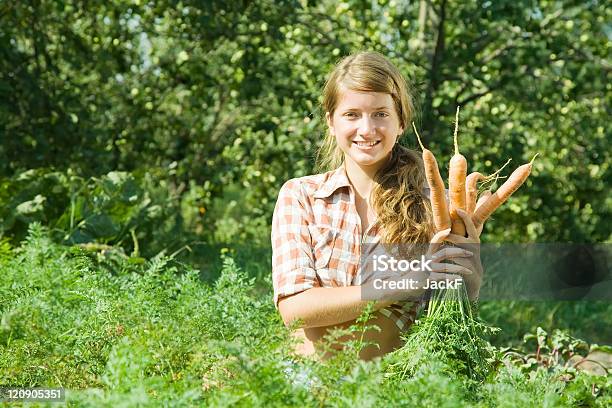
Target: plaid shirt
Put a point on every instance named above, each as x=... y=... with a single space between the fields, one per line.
x=316 y=239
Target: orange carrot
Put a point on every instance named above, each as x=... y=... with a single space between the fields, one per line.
x=471 y=190
x=516 y=179
x=456 y=184
x=471 y=185
x=437 y=195
x=483 y=197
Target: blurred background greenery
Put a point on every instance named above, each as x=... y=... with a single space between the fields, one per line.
x=168 y=126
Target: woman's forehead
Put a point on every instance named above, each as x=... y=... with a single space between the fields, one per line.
x=351 y=99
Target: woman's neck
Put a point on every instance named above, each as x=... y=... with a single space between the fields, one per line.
x=362 y=178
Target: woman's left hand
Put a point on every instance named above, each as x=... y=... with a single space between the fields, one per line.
x=472 y=244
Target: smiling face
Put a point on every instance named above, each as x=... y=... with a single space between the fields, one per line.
x=366 y=127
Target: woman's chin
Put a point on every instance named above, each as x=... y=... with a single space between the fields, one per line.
x=362 y=160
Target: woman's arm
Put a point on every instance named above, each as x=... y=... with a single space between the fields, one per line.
x=318 y=307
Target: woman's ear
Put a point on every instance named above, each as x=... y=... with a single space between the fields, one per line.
x=330 y=126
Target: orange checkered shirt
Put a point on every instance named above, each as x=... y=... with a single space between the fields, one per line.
x=316 y=240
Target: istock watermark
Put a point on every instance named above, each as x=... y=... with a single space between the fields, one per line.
x=510 y=271
x=392 y=277
x=384 y=263
x=415 y=284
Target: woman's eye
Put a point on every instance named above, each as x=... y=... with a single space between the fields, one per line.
x=356 y=115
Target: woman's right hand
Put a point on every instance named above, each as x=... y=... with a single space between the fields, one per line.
x=438 y=253
x=444 y=271
x=432 y=273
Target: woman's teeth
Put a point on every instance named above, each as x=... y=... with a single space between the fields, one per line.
x=366 y=144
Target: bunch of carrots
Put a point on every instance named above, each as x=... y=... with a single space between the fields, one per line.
x=450 y=332
x=463 y=190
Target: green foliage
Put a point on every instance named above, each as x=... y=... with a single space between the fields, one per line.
x=116 y=208
x=512 y=390
x=563 y=353
x=154 y=334
x=451 y=334
x=5 y=250
x=36 y=195
x=145 y=326
x=219 y=101
x=130 y=129
x=587 y=317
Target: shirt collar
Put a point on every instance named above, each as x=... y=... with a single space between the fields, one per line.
x=336 y=179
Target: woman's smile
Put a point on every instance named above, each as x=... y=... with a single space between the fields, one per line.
x=364 y=145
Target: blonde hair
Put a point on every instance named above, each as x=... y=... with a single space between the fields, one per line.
x=397 y=198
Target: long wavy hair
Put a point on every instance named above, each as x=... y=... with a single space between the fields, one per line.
x=403 y=212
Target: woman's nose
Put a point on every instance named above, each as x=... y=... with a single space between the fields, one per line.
x=366 y=125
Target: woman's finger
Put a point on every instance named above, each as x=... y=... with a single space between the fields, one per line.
x=444 y=276
x=444 y=267
x=458 y=239
x=440 y=235
x=465 y=243
x=470 y=263
x=449 y=253
x=437 y=240
x=479 y=229
x=469 y=224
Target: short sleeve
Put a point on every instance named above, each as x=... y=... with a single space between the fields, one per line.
x=292 y=257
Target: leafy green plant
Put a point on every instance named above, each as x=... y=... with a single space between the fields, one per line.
x=37 y=195
x=153 y=333
x=561 y=352
x=5 y=249
x=449 y=333
x=117 y=208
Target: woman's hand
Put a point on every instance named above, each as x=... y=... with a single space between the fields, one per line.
x=437 y=253
x=431 y=273
x=472 y=244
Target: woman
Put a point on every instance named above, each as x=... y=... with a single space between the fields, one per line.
x=376 y=193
